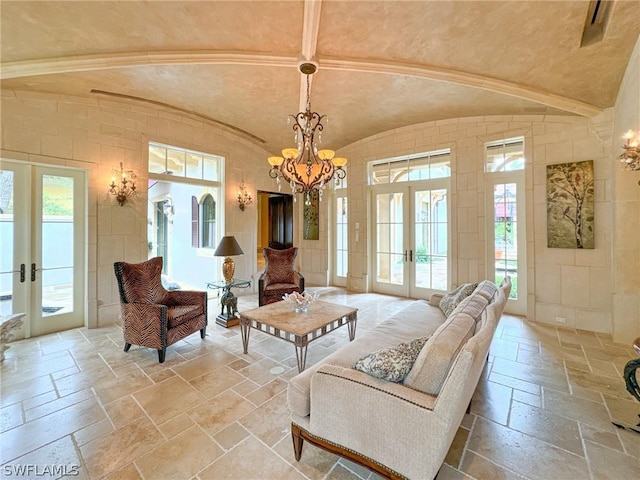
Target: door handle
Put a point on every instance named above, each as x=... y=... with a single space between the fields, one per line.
x=21 y=272
x=33 y=272
x=411 y=255
x=405 y=255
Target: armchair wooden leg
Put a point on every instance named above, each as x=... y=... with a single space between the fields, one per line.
x=203 y=332
x=161 y=354
x=297 y=441
x=127 y=346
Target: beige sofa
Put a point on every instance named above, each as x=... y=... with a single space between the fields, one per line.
x=391 y=428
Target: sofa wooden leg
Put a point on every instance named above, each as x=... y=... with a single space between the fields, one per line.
x=203 y=332
x=297 y=441
x=161 y=354
x=127 y=346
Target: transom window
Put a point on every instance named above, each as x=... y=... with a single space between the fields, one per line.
x=180 y=162
x=424 y=166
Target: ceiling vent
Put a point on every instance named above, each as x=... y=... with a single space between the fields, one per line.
x=595 y=24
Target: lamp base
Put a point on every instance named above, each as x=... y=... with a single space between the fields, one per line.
x=228 y=269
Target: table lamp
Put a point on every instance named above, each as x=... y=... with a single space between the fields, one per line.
x=228 y=247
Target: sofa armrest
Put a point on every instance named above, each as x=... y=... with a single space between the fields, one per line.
x=434 y=299
x=368 y=415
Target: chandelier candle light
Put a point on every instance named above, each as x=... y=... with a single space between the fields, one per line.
x=126 y=185
x=305 y=168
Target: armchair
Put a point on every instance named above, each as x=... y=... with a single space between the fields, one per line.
x=152 y=316
x=279 y=276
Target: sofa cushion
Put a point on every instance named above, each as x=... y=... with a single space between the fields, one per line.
x=487 y=289
x=450 y=301
x=473 y=305
x=432 y=365
x=392 y=363
x=179 y=314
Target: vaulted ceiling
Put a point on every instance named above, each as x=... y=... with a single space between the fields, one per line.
x=381 y=64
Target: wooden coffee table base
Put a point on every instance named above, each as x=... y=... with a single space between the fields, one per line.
x=297 y=328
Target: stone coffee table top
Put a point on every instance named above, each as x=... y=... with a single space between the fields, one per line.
x=281 y=315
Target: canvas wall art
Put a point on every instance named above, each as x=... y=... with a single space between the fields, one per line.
x=570 y=205
x=311 y=227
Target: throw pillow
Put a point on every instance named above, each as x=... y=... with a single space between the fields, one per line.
x=392 y=363
x=451 y=300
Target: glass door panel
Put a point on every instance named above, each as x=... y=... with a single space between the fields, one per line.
x=389 y=242
x=341 y=242
x=430 y=243
x=57 y=256
x=506 y=235
x=14 y=252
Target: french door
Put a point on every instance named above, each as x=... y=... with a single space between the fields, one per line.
x=43 y=262
x=411 y=238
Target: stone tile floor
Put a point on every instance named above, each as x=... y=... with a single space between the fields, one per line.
x=74 y=403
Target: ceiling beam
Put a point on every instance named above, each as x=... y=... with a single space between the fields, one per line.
x=310 y=29
x=449 y=75
x=83 y=63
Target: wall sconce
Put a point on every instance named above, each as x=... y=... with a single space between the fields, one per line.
x=630 y=158
x=125 y=186
x=244 y=197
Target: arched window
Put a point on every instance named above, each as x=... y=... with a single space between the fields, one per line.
x=208 y=222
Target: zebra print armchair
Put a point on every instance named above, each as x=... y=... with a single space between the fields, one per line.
x=152 y=316
x=279 y=276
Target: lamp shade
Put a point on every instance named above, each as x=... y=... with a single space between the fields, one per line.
x=228 y=247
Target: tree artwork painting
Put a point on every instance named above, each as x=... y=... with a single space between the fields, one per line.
x=570 y=205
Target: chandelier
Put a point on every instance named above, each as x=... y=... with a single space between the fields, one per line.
x=305 y=168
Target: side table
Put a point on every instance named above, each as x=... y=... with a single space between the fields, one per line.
x=228 y=300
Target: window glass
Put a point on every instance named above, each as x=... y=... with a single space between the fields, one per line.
x=194 y=165
x=157 y=159
x=208 y=222
x=342 y=245
x=211 y=168
x=505 y=156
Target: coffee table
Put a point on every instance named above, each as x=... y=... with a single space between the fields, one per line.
x=280 y=320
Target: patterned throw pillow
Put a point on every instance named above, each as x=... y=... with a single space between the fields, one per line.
x=392 y=363
x=451 y=300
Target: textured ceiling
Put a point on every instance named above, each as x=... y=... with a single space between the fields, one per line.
x=382 y=65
